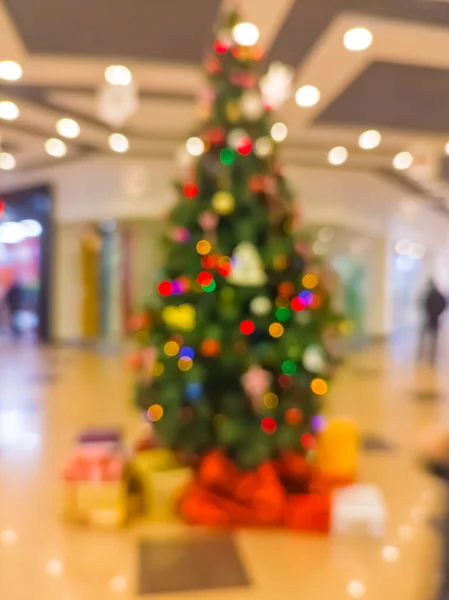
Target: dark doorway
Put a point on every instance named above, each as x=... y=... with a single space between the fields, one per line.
x=32 y=208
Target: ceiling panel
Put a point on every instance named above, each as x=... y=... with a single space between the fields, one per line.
x=141 y=29
x=392 y=95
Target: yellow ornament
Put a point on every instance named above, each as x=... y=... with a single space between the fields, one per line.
x=180 y=317
x=280 y=262
x=223 y=203
x=233 y=111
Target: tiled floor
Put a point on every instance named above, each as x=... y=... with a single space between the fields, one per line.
x=46 y=396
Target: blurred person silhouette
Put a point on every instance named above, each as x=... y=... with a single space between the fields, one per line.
x=13 y=301
x=433 y=306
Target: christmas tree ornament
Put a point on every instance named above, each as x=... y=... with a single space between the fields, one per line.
x=210 y=348
x=212 y=65
x=225 y=266
x=280 y=262
x=222 y=45
x=223 y=203
x=235 y=136
x=203 y=247
x=263 y=147
x=251 y=105
x=293 y=416
x=303 y=317
x=208 y=221
x=181 y=235
x=190 y=189
x=276 y=85
x=233 y=111
x=195 y=146
x=193 y=391
x=215 y=135
x=180 y=317
x=243 y=79
x=260 y=306
x=245 y=34
x=245 y=146
x=286 y=289
x=256 y=183
x=256 y=382
x=270 y=400
x=276 y=330
x=247 y=269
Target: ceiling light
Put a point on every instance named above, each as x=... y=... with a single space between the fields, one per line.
x=118 y=75
x=55 y=147
x=390 y=554
x=403 y=247
x=33 y=228
x=68 y=128
x=402 y=161
x=369 y=139
x=358 y=39
x=355 y=589
x=8 y=537
x=245 y=34
x=8 y=110
x=279 y=132
x=10 y=70
x=446 y=148
x=12 y=233
x=417 y=252
x=118 y=142
x=307 y=95
x=195 y=146
x=53 y=568
x=118 y=583
x=7 y=161
x=338 y=155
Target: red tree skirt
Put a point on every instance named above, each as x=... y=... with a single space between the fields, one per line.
x=286 y=493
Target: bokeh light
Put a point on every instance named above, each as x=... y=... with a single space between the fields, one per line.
x=310 y=281
x=247 y=327
x=155 y=413
x=171 y=348
x=227 y=156
x=269 y=425
x=293 y=416
x=165 y=288
x=270 y=400
x=187 y=352
x=190 y=189
x=319 y=386
x=276 y=330
x=282 y=314
x=158 y=369
x=185 y=363
x=203 y=247
x=289 y=367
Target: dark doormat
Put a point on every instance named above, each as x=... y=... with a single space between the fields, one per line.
x=190 y=564
x=376 y=443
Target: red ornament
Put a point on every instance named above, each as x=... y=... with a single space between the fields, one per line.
x=297 y=304
x=221 y=47
x=216 y=135
x=269 y=425
x=165 y=288
x=190 y=189
x=210 y=347
x=2 y=207
x=316 y=301
x=210 y=261
x=204 y=278
x=286 y=289
x=308 y=441
x=257 y=183
x=212 y=64
x=225 y=266
x=285 y=381
x=245 y=146
x=247 y=327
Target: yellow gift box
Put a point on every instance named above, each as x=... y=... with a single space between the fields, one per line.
x=338 y=450
x=162 y=480
x=96 y=503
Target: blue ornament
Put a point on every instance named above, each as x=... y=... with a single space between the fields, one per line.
x=306 y=297
x=194 y=391
x=187 y=352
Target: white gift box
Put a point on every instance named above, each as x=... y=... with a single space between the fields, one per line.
x=359 y=508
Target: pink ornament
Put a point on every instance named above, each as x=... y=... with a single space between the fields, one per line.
x=208 y=221
x=181 y=235
x=256 y=382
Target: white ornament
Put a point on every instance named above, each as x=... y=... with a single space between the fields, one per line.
x=313 y=359
x=276 y=85
x=247 y=267
x=261 y=305
x=117 y=103
x=263 y=147
x=251 y=105
x=235 y=137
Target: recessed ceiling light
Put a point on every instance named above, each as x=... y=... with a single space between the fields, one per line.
x=118 y=584
x=8 y=537
x=402 y=161
x=10 y=70
x=7 y=161
x=118 y=142
x=54 y=568
x=68 y=128
x=8 y=110
x=338 y=155
x=245 y=34
x=390 y=554
x=195 y=146
x=358 y=39
x=307 y=95
x=55 y=147
x=118 y=75
x=355 y=589
x=446 y=148
x=369 y=139
x=279 y=132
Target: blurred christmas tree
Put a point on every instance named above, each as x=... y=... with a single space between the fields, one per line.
x=238 y=358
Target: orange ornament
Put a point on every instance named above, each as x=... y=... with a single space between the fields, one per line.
x=293 y=416
x=286 y=289
x=257 y=183
x=210 y=347
x=316 y=301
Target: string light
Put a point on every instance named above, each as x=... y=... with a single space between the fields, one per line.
x=293 y=416
x=54 y=568
x=203 y=247
x=118 y=75
x=358 y=39
x=276 y=330
x=355 y=589
x=245 y=34
x=279 y=132
x=8 y=110
x=227 y=156
x=204 y=278
x=288 y=367
x=337 y=156
x=171 y=348
x=282 y=314
x=247 y=327
x=282 y=301
x=195 y=146
x=369 y=139
x=210 y=287
x=187 y=352
x=165 y=288
x=310 y=281
x=185 y=363
x=269 y=425
x=402 y=161
x=68 y=128
x=270 y=400
x=10 y=70
x=319 y=386
x=155 y=413
x=7 y=161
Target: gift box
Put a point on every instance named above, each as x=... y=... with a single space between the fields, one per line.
x=338 y=451
x=162 y=480
x=94 y=486
x=101 y=435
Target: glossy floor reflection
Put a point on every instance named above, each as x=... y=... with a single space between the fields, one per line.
x=48 y=395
